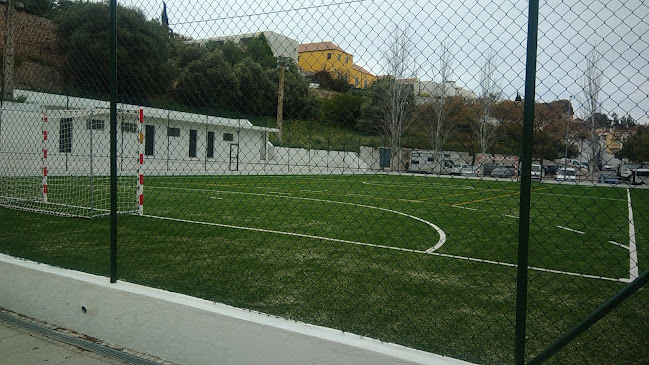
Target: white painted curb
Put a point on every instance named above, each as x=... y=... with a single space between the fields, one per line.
x=180 y=328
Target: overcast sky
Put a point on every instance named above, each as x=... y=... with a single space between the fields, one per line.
x=568 y=32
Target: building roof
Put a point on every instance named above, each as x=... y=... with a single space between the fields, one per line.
x=45 y=101
x=320 y=46
x=360 y=69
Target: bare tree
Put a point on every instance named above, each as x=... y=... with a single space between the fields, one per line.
x=397 y=104
x=591 y=86
x=436 y=120
x=485 y=128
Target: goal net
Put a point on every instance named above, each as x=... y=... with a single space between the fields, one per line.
x=58 y=161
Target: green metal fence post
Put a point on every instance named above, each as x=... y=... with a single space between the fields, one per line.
x=113 y=140
x=526 y=183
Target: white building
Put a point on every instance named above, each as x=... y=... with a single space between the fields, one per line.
x=173 y=143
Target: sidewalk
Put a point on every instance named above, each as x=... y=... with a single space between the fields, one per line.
x=23 y=341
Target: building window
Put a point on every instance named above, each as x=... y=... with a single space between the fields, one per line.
x=173 y=132
x=346 y=59
x=329 y=56
x=210 y=144
x=365 y=83
x=65 y=135
x=192 y=143
x=338 y=57
x=95 y=124
x=148 y=140
x=129 y=127
x=356 y=81
x=228 y=137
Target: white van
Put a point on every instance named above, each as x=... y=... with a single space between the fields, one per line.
x=537 y=171
x=641 y=176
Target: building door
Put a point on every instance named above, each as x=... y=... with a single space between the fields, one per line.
x=234 y=157
x=384 y=157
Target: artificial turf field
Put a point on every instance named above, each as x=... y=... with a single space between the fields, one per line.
x=424 y=261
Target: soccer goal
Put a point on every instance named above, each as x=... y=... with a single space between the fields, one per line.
x=58 y=161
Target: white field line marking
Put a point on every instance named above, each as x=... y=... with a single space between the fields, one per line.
x=510 y=216
x=278 y=193
x=580 y=196
x=313 y=191
x=619 y=244
x=492 y=262
x=633 y=251
x=424 y=185
x=216 y=198
x=285 y=233
x=442 y=234
x=571 y=230
x=461 y=207
x=529 y=267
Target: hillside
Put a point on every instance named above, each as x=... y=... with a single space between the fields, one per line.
x=35 y=52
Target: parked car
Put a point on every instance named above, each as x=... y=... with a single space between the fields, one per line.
x=641 y=176
x=566 y=174
x=608 y=179
x=550 y=169
x=469 y=171
x=607 y=167
x=457 y=169
x=501 y=172
x=537 y=171
x=625 y=171
x=487 y=168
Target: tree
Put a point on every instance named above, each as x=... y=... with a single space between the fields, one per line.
x=208 y=82
x=328 y=82
x=435 y=114
x=392 y=97
x=485 y=128
x=343 y=109
x=42 y=8
x=636 y=146
x=259 y=50
x=142 y=50
x=591 y=86
x=257 y=90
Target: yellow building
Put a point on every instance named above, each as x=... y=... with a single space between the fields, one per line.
x=327 y=56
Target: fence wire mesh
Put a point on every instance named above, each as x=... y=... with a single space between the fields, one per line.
x=355 y=165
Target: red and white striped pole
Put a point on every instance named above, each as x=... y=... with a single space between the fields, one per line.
x=44 y=158
x=140 y=170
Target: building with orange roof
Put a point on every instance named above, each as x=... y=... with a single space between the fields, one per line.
x=327 y=56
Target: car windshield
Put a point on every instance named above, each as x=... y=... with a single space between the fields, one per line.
x=536 y=168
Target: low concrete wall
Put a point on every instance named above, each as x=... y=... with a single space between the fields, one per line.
x=180 y=328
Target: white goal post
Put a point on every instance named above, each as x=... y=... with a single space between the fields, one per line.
x=58 y=161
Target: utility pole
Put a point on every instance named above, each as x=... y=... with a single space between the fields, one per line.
x=281 y=63
x=8 y=57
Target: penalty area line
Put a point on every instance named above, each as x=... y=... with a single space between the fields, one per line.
x=430 y=251
x=633 y=251
x=303 y=235
x=570 y=229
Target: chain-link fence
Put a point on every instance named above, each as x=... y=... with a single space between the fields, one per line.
x=359 y=165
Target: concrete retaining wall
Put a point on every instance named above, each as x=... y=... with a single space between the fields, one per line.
x=180 y=328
